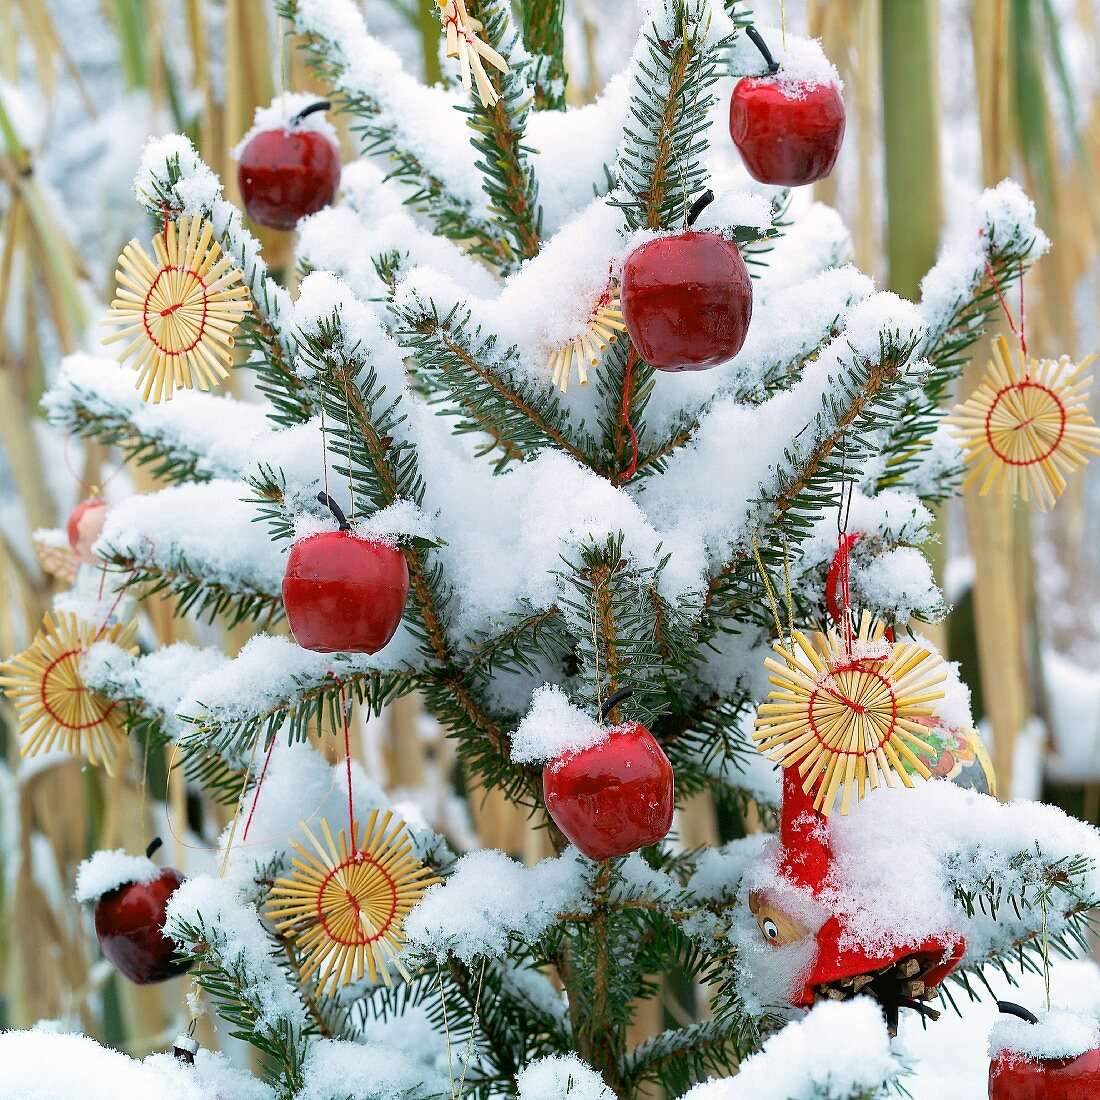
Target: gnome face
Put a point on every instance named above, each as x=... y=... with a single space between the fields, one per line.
x=776 y=926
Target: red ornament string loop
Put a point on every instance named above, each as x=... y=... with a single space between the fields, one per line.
x=628 y=473
x=345 y=718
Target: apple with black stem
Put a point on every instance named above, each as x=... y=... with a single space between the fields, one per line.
x=786 y=136
x=616 y=796
x=289 y=172
x=129 y=923
x=686 y=298
x=1018 y=1076
x=343 y=593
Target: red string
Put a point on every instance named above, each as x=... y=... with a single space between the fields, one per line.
x=628 y=473
x=89 y=489
x=259 y=786
x=1017 y=332
x=837 y=593
x=346 y=719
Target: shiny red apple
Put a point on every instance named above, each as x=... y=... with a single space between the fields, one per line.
x=686 y=300
x=128 y=923
x=287 y=173
x=343 y=593
x=1014 y=1076
x=786 y=137
x=615 y=797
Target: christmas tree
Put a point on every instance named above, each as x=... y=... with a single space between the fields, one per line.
x=484 y=460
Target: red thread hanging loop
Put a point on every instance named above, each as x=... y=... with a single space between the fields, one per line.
x=628 y=473
x=838 y=595
x=1020 y=331
x=345 y=718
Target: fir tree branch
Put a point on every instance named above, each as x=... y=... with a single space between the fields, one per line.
x=544 y=37
x=193 y=590
x=659 y=170
x=499 y=132
x=344 y=65
x=487 y=386
x=680 y=1057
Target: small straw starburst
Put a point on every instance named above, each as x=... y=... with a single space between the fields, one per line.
x=847 y=716
x=463 y=42
x=345 y=908
x=602 y=328
x=1027 y=425
x=57 y=709
x=179 y=317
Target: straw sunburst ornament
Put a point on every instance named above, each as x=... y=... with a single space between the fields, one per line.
x=463 y=42
x=180 y=313
x=57 y=710
x=602 y=328
x=346 y=908
x=1027 y=425
x=847 y=715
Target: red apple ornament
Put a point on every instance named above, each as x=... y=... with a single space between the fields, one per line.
x=1016 y=1076
x=786 y=136
x=343 y=593
x=615 y=797
x=687 y=298
x=287 y=173
x=85 y=525
x=128 y=924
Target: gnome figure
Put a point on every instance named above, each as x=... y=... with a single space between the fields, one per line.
x=904 y=977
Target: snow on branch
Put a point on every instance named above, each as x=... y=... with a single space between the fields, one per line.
x=48 y=1063
x=958 y=296
x=335 y=1070
x=272 y=681
x=370 y=224
x=489 y=902
x=211 y=919
x=791 y=434
x=196 y=436
x=198 y=542
x=418 y=129
x=561 y=1077
x=838 y=1050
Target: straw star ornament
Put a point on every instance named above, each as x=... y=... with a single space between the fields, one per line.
x=1027 y=425
x=178 y=314
x=346 y=907
x=602 y=328
x=57 y=709
x=463 y=42
x=847 y=715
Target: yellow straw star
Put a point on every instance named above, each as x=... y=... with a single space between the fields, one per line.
x=848 y=719
x=1027 y=425
x=346 y=908
x=57 y=710
x=180 y=316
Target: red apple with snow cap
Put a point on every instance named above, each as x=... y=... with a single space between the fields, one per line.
x=686 y=298
x=343 y=593
x=129 y=924
x=616 y=796
x=788 y=132
x=288 y=172
x=1056 y=1063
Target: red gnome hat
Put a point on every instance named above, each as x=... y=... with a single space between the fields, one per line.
x=901 y=977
